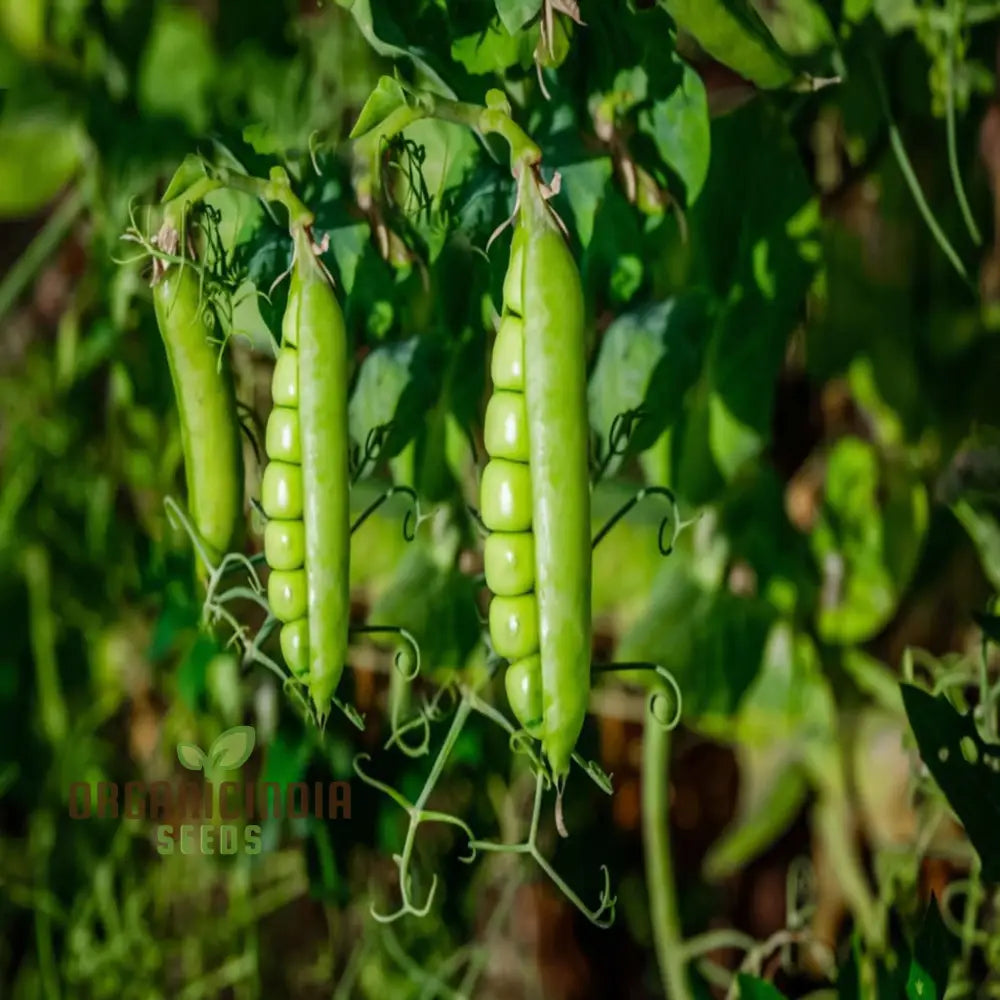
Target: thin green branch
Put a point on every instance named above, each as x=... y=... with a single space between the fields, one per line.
x=956 y=175
x=660 y=881
x=45 y=243
x=494 y=119
x=906 y=167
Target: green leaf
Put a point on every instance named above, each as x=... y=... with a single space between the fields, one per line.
x=757 y=525
x=971 y=486
x=191 y=170
x=919 y=985
x=990 y=624
x=495 y=49
x=752 y=988
x=22 y=24
x=773 y=790
x=436 y=603
x=866 y=554
x=934 y=951
x=583 y=185
x=178 y=67
x=515 y=14
x=191 y=756
x=732 y=32
x=396 y=386
x=262 y=139
x=286 y=759
x=965 y=766
x=388 y=96
x=711 y=640
x=267 y=255
x=755 y=243
x=232 y=748
x=679 y=126
x=583 y=176
x=790 y=698
x=38 y=157
x=649 y=359
x=192 y=673
x=385 y=36
x=984 y=530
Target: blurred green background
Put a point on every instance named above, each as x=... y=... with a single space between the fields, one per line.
x=818 y=384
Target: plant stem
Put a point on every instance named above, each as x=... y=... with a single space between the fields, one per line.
x=277 y=188
x=909 y=175
x=956 y=176
x=42 y=626
x=832 y=820
x=660 y=881
x=492 y=120
x=40 y=249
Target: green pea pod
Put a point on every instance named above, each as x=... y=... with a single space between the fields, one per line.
x=732 y=32
x=305 y=492
x=535 y=490
x=555 y=390
x=206 y=402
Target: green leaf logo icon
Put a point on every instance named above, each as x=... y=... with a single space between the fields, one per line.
x=191 y=756
x=231 y=749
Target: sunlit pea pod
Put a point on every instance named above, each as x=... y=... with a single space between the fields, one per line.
x=543 y=488
x=206 y=401
x=305 y=489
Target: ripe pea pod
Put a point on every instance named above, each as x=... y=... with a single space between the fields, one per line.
x=305 y=491
x=206 y=401
x=535 y=492
x=732 y=32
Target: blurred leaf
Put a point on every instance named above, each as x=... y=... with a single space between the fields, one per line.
x=971 y=486
x=583 y=184
x=984 y=531
x=262 y=139
x=755 y=519
x=965 y=767
x=384 y=35
x=919 y=984
x=867 y=556
x=495 y=49
x=790 y=699
x=756 y=245
x=191 y=170
x=22 y=23
x=192 y=673
x=711 y=641
x=38 y=157
x=751 y=988
x=649 y=359
x=396 y=386
x=437 y=604
x=679 y=126
x=801 y=27
x=388 y=96
x=773 y=790
x=732 y=32
x=934 y=951
x=286 y=759
x=515 y=14
x=178 y=67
